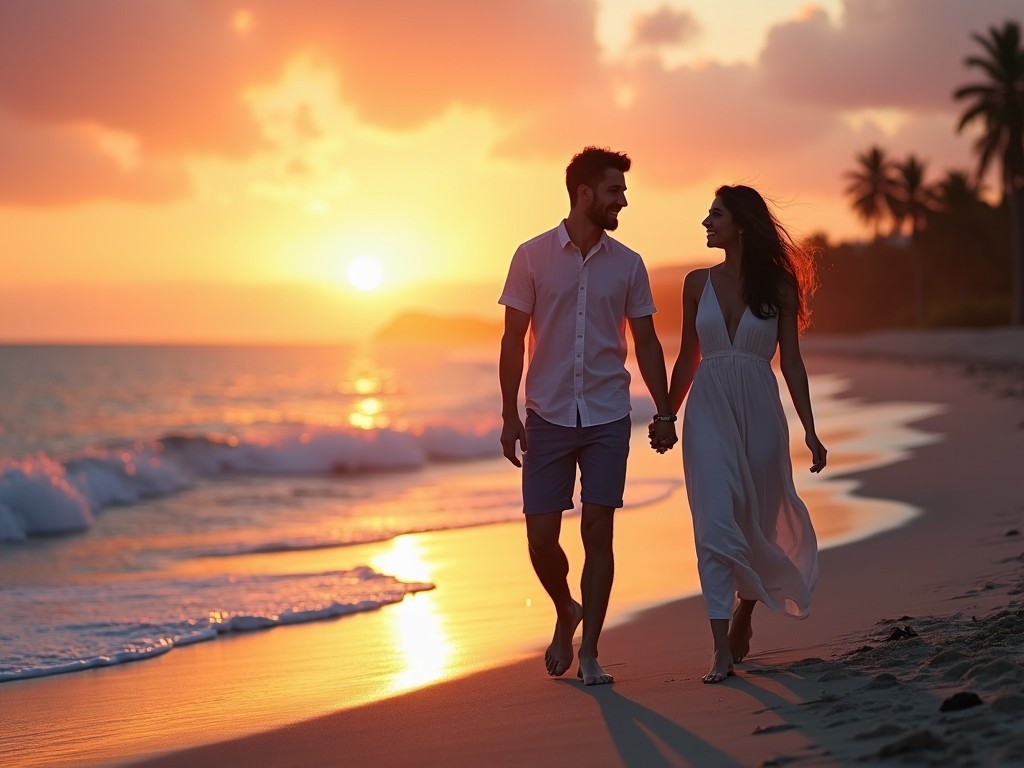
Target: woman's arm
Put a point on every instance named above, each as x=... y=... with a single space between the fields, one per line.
x=689 y=345
x=795 y=373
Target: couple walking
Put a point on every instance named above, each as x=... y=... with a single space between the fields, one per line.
x=574 y=289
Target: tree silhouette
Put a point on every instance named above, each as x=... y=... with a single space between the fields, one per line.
x=957 y=192
x=959 y=243
x=871 y=186
x=910 y=199
x=998 y=104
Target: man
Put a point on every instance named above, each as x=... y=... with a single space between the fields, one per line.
x=575 y=288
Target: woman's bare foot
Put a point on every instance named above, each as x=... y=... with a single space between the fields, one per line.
x=721 y=668
x=740 y=631
x=591 y=673
x=558 y=657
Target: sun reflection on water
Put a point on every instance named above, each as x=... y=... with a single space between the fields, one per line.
x=418 y=631
x=368 y=413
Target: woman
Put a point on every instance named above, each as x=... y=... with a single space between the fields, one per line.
x=753 y=534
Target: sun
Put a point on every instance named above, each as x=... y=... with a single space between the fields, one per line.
x=365 y=273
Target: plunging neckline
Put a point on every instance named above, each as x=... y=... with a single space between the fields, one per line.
x=721 y=314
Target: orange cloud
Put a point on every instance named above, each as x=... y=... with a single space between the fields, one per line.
x=173 y=73
x=56 y=166
x=174 y=76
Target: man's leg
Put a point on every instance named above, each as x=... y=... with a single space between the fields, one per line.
x=596 y=528
x=602 y=459
x=552 y=568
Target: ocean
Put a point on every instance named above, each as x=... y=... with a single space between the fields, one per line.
x=135 y=479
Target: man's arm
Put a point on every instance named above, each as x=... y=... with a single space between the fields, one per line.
x=650 y=358
x=510 y=375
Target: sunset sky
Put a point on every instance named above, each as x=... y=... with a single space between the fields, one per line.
x=202 y=170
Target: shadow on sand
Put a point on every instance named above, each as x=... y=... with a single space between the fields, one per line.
x=646 y=739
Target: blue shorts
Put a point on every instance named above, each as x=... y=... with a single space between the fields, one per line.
x=554 y=452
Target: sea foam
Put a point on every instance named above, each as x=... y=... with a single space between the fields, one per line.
x=45 y=495
x=152 y=618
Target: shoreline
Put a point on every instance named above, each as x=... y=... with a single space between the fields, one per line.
x=939 y=574
x=479 y=617
x=657 y=713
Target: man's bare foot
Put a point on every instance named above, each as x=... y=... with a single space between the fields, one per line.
x=740 y=632
x=558 y=657
x=591 y=673
x=721 y=668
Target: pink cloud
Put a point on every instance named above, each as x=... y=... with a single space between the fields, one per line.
x=167 y=72
x=906 y=54
x=691 y=122
x=172 y=72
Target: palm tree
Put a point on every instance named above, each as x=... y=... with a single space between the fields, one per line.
x=998 y=103
x=910 y=200
x=957 y=192
x=870 y=186
x=959 y=241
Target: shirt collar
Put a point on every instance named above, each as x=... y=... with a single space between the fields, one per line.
x=564 y=240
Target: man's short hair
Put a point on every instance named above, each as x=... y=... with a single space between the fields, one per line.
x=588 y=167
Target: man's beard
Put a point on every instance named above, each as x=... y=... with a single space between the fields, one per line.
x=600 y=218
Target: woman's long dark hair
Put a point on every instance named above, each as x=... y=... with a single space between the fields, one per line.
x=770 y=257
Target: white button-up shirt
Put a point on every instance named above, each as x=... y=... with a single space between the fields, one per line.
x=578 y=306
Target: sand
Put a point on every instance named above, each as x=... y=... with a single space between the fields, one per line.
x=914 y=651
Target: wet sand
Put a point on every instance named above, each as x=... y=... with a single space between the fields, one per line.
x=902 y=620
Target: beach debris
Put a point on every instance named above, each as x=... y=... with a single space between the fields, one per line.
x=961 y=700
x=900 y=633
x=1013 y=532
x=777 y=728
x=915 y=741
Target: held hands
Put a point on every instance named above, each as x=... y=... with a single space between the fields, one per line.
x=818 y=452
x=662 y=435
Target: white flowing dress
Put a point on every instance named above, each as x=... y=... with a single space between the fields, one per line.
x=753 y=534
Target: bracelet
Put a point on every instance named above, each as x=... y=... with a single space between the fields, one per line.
x=664 y=417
